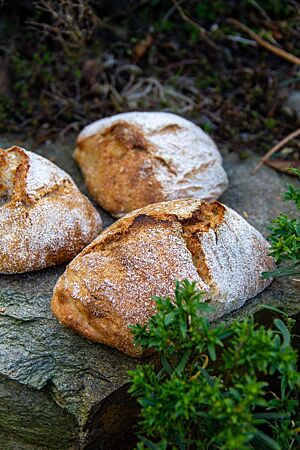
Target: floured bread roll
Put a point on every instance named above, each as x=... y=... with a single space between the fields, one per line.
x=110 y=284
x=134 y=159
x=44 y=218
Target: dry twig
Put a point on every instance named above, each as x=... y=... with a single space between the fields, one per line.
x=274 y=149
x=272 y=48
x=201 y=30
x=73 y=22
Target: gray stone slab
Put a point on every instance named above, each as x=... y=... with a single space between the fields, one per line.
x=259 y=199
x=61 y=391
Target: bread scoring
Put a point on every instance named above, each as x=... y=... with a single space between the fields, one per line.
x=110 y=284
x=44 y=219
x=134 y=159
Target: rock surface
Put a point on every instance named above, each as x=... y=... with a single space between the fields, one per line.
x=293 y=103
x=61 y=391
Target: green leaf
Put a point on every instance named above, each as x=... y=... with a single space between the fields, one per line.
x=284 y=331
x=208 y=378
x=274 y=309
x=272 y=416
x=146 y=402
x=292 y=270
x=266 y=441
x=183 y=362
x=169 y=318
x=179 y=442
x=166 y=365
x=295 y=171
x=149 y=444
x=212 y=351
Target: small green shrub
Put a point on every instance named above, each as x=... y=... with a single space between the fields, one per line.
x=219 y=387
x=285 y=237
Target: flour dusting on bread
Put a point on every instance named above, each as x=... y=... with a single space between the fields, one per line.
x=110 y=284
x=43 y=174
x=177 y=157
x=44 y=219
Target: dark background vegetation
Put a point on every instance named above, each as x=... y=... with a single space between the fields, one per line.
x=66 y=63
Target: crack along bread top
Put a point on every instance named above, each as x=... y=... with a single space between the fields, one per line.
x=110 y=284
x=134 y=159
x=44 y=218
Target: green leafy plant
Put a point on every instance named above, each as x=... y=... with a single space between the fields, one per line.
x=214 y=387
x=285 y=238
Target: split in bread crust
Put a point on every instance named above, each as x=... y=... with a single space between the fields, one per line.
x=110 y=284
x=44 y=218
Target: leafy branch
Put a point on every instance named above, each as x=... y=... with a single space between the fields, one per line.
x=285 y=237
x=212 y=387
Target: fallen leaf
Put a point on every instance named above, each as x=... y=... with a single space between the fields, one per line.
x=90 y=71
x=142 y=47
x=282 y=165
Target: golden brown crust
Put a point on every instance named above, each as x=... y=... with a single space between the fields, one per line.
x=110 y=285
x=118 y=168
x=134 y=159
x=44 y=219
x=107 y=270
x=13 y=189
x=203 y=220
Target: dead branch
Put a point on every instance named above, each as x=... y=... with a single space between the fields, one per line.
x=202 y=31
x=73 y=22
x=274 y=149
x=272 y=48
